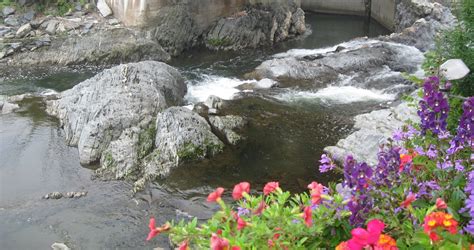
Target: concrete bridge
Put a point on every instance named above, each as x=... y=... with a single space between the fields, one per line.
x=144 y=12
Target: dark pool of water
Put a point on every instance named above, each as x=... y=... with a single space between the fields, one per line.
x=284 y=142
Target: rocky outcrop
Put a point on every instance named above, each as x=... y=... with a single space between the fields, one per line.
x=93 y=49
x=257 y=26
x=372 y=130
x=97 y=111
x=363 y=63
x=419 y=22
x=181 y=135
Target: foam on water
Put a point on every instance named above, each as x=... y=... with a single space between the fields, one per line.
x=338 y=95
x=354 y=44
x=223 y=87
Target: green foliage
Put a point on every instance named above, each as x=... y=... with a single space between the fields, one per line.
x=280 y=224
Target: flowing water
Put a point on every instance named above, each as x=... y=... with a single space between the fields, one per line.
x=285 y=137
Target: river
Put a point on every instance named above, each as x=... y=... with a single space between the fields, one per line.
x=286 y=135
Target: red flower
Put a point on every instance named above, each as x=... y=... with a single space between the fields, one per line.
x=407 y=202
x=440 y=204
x=316 y=191
x=260 y=208
x=154 y=231
x=216 y=195
x=218 y=243
x=235 y=248
x=362 y=238
x=439 y=220
x=270 y=187
x=405 y=159
x=308 y=216
x=240 y=189
x=343 y=246
x=241 y=224
x=184 y=245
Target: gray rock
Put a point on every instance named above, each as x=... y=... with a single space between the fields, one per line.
x=59 y=246
x=51 y=26
x=372 y=130
x=53 y=195
x=103 y=8
x=96 y=112
x=8 y=10
x=366 y=64
x=30 y=15
x=37 y=23
x=257 y=26
x=7 y=107
x=181 y=135
x=226 y=125
x=100 y=48
x=4 y=30
x=11 y=21
x=113 y=21
x=23 y=30
x=214 y=102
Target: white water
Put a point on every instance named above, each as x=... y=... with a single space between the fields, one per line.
x=219 y=86
x=354 y=44
x=338 y=95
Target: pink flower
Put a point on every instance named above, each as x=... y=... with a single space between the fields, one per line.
x=216 y=195
x=241 y=224
x=218 y=243
x=184 y=245
x=440 y=204
x=260 y=208
x=362 y=237
x=270 y=187
x=240 y=189
x=407 y=202
x=316 y=191
x=308 y=216
x=154 y=231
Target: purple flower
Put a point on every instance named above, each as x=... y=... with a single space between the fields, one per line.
x=386 y=172
x=465 y=131
x=444 y=165
x=434 y=107
x=419 y=150
x=326 y=164
x=242 y=211
x=432 y=153
x=427 y=187
x=469 y=202
x=398 y=135
x=458 y=166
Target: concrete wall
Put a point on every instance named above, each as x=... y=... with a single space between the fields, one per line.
x=142 y=12
x=384 y=12
x=349 y=7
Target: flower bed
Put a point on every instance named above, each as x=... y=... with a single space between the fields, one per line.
x=420 y=195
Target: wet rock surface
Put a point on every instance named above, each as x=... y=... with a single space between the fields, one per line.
x=97 y=111
x=256 y=27
x=365 y=63
x=372 y=130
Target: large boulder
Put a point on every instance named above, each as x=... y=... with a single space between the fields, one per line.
x=97 y=111
x=259 y=25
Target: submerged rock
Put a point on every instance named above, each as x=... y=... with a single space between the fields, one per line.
x=97 y=111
